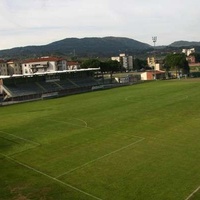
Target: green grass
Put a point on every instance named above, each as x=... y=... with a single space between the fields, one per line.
x=138 y=142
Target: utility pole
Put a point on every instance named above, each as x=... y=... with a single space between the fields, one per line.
x=154 y=39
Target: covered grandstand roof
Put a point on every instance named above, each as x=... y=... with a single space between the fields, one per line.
x=52 y=72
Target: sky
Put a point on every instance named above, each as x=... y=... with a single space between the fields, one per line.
x=40 y=22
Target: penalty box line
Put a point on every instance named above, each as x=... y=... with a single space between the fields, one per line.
x=35 y=144
x=50 y=177
x=30 y=141
x=191 y=195
x=101 y=157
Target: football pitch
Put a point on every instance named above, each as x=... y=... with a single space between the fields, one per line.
x=139 y=142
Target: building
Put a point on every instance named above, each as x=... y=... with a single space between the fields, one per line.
x=3 y=68
x=154 y=63
x=151 y=75
x=14 y=67
x=151 y=61
x=44 y=64
x=191 y=59
x=125 y=60
x=72 y=65
x=187 y=52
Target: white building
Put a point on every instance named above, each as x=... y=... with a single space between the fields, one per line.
x=126 y=61
x=43 y=64
x=187 y=52
x=117 y=58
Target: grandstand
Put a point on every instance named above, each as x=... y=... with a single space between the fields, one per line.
x=46 y=85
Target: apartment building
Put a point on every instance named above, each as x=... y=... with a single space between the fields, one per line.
x=43 y=64
x=154 y=63
x=125 y=60
x=3 y=68
x=14 y=67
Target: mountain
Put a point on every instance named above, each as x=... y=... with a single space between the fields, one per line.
x=91 y=46
x=182 y=43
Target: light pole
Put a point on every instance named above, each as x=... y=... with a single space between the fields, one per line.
x=154 y=38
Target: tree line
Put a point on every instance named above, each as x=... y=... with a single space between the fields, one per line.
x=172 y=62
x=176 y=62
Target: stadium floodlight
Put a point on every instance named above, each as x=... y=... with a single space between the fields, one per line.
x=154 y=39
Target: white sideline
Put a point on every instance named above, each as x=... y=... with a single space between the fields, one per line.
x=193 y=193
x=183 y=98
x=108 y=154
x=55 y=179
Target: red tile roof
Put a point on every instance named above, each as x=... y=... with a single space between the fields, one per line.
x=72 y=63
x=43 y=59
x=2 y=61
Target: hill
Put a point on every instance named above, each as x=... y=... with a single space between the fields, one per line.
x=91 y=46
x=182 y=43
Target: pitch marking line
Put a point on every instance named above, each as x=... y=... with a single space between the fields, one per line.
x=81 y=120
x=127 y=99
x=179 y=99
x=85 y=126
x=101 y=157
x=193 y=193
x=29 y=141
x=55 y=179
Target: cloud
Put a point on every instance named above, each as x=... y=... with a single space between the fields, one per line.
x=43 y=21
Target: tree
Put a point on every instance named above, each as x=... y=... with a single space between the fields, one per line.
x=90 y=63
x=110 y=66
x=176 y=62
x=139 y=64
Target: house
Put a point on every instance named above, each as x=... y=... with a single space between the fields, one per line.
x=152 y=75
x=72 y=65
x=44 y=64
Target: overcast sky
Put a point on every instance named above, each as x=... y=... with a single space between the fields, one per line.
x=39 y=22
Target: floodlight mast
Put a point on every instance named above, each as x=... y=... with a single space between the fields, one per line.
x=154 y=39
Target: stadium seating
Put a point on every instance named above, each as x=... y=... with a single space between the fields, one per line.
x=66 y=84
